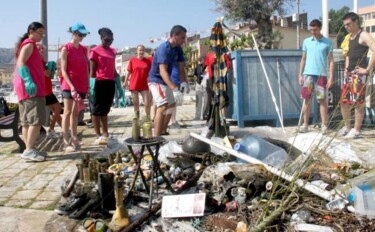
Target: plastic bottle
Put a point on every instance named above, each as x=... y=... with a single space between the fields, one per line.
x=337 y=204
x=321 y=184
x=259 y=148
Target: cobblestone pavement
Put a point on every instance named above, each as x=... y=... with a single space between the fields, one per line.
x=37 y=186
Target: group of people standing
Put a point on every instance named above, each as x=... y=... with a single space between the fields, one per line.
x=83 y=73
x=317 y=53
x=92 y=74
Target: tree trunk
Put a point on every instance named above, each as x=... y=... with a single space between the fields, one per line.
x=264 y=37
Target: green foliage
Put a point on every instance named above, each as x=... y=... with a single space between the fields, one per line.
x=245 y=41
x=336 y=25
x=259 y=11
x=187 y=54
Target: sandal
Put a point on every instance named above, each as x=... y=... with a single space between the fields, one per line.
x=77 y=145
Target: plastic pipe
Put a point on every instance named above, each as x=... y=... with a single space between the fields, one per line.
x=327 y=195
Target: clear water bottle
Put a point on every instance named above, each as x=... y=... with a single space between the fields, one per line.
x=260 y=149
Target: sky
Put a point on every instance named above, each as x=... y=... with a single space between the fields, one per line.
x=133 y=22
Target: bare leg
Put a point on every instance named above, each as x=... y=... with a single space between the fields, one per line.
x=169 y=113
x=146 y=101
x=306 y=112
x=345 y=111
x=25 y=131
x=96 y=123
x=104 y=122
x=68 y=104
x=159 y=119
x=55 y=109
x=32 y=134
x=359 y=115
x=135 y=100
x=74 y=121
x=323 y=111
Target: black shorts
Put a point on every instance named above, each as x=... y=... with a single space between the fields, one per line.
x=68 y=94
x=104 y=94
x=51 y=99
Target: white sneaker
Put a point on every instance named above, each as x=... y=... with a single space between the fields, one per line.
x=33 y=155
x=175 y=125
x=353 y=134
x=343 y=131
x=324 y=129
x=303 y=129
x=53 y=135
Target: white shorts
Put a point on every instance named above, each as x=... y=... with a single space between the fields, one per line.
x=161 y=94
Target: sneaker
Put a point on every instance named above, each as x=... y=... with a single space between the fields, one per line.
x=175 y=125
x=53 y=135
x=33 y=155
x=343 y=131
x=324 y=129
x=303 y=129
x=352 y=134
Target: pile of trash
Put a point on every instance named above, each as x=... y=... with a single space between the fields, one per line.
x=211 y=185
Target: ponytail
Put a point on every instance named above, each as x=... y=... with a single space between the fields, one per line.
x=33 y=27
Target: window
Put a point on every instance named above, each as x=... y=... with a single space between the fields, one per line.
x=373 y=28
x=368 y=29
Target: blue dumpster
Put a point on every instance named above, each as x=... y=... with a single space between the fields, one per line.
x=251 y=99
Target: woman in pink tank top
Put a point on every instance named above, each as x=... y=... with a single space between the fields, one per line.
x=74 y=83
x=29 y=86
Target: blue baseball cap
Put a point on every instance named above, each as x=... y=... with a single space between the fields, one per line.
x=80 y=28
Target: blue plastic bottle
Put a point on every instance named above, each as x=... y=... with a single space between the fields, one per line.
x=261 y=149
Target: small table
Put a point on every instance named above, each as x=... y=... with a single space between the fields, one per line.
x=148 y=144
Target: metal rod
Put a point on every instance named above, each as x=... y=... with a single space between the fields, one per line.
x=327 y=195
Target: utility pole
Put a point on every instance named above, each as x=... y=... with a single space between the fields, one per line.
x=43 y=19
x=298 y=27
x=325 y=27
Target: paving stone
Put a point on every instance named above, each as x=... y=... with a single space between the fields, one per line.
x=20 y=179
x=28 y=173
x=43 y=177
x=25 y=195
x=17 y=203
x=11 y=186
x=37 y=184
x=5 y=193
x=42 y=204
x=10 y=171
x=47 y=195
x=3 y=179
x=20 y=166
x=6 y=163
x=3 y=200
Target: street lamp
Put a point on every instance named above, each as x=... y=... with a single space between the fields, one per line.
x=43 y=19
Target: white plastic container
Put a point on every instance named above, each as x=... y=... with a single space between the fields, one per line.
x=364 y=200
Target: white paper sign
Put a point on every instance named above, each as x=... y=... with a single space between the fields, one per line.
x=187 y=205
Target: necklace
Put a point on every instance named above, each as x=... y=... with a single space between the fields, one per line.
x=353 y=37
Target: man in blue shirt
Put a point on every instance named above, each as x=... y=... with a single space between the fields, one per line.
x=317 y=50
x=159 y=79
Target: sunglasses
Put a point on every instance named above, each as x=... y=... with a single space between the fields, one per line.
x=81 y=35
x=108 y=40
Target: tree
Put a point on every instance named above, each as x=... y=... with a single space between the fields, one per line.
x=259 y=11
x=335 y=23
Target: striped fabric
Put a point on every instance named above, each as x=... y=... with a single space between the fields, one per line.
x=219 y=47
